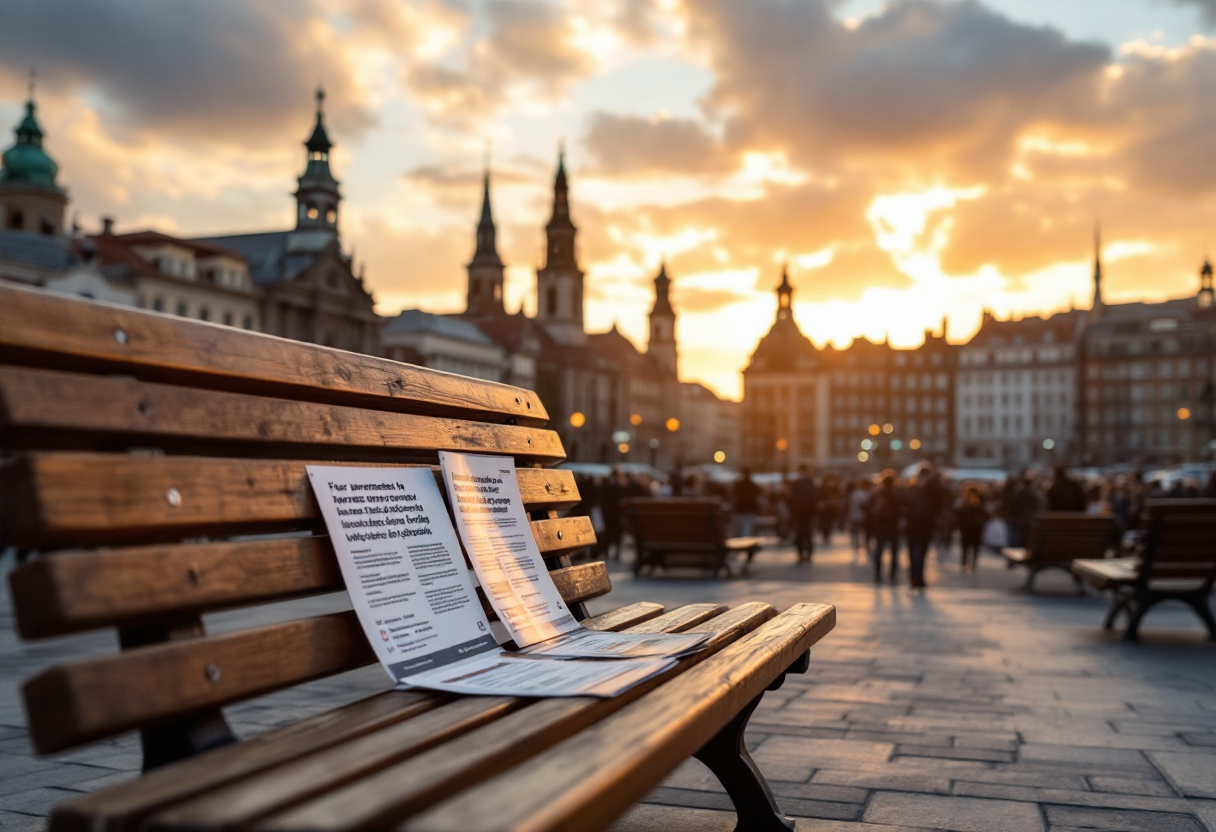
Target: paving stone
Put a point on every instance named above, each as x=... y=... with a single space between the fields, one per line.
x=983 y=754
x=13 y=822
x=795 y=758
x=1127 y=785
x=957 y=814
x=34 y=801
x=1107 y=800
x=1114 y=820
x=1192 y=774
x=1206 y=740
x=647 y=817
x=876 y=780
x=1089 y=759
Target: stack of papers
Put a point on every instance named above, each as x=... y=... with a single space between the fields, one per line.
x=403 y=567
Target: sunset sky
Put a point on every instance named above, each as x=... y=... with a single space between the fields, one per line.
x=910 y=159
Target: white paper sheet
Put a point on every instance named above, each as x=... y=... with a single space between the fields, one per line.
x=494 y=526
x=505 y=674
x=402 y=565
x=594 y=644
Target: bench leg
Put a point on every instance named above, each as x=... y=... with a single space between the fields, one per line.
x=727 y=757
x=1199 y=603
x=1118 y=603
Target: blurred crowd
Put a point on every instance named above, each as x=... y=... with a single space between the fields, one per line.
x=885 y=516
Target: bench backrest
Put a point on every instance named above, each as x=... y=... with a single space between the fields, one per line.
x=1061 y=536
x=157 y=465
x=677 y=523
x=1180 y=541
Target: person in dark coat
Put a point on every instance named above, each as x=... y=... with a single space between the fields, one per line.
x=746 y=503
x=970 y=516
x=883 y=512
x=1021 y=510
x=1065 y=493
x=802 y=504
x=923 y=502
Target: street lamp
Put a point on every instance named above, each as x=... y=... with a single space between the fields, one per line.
x=673 y=424
x=719 y=457
x=635 y=419
x=577 y=419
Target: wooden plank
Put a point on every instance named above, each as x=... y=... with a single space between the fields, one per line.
x=68 y=499
x=1105 y=574
x=70 y=704
x=585 y=782
x=679 y=620
x=72 y=591
x=42 y=408
x=564 y=535
x=123 y=808
x=623 y=617
x=389 y=794
x=40 y=329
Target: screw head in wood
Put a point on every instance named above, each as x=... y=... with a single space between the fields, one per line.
x=212 y=672
x=559 y=534
x=120 y=335
x=192 y=576
x=529 y=440
x=174 y=497
x=548 y=488
x=517 y=401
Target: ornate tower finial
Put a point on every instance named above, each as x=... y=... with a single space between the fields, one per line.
x=485 y=290
x=1096 y=307
x=785 y=294
x=1207 y=294
x=317 y=195
x=559 y=284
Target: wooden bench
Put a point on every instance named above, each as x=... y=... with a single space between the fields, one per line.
x=155 y=468
x=1057 y=538
x=673 y=532
x=1176 y=562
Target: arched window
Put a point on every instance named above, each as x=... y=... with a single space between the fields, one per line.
x=16 y=220
x=47 y=227
x=331 y=216
x=312 y=213
x=552 y=300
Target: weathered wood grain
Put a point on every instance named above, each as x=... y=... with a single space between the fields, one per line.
x=585 y=782
x=681 y=619
x=41 y=408
x=383 y=798
x=80 y=499
x=622 y=617
x=69 y=333
x=124 y=807
x=72 y=591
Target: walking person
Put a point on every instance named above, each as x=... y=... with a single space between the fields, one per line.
x=857 y=499
x=746 y=503
x=1065 y=493
x=970 y=517
x=884 y=510
x=802 y=505
x=924 y=502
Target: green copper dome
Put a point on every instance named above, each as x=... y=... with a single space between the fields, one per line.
x=26 y=163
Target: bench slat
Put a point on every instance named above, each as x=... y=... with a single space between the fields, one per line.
x=122 y=808
x=78 y=499
x=680 y=620
x=71 y=704
x=407 y=787
x=43 y=406
x=623 y=617
x=68 y=592
x=1105 y=574
x=586 y=781
x=69 y=333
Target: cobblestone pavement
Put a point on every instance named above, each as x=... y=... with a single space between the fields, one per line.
x=971 y=707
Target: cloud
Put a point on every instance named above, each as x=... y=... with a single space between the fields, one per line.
x=628 y=145
x=196 y=71
x=528 y=52
x=919 y=83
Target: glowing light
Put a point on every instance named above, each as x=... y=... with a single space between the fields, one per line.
x=635 y=419
x=719 y=456
x=623 y=447
x=783 y=444
x=888 y=428
x=914 y=444
x=896 y=444
x=1184 y=413
x=863 y=457
x=866 y=444
x=875 y=430
x=1048 y=444
x=620 y=436
x=577 y=420
x=654 y=444
x=673 y=424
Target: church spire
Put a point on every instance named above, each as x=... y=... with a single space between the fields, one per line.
x=485 y=292
x=1096 y=307
x=1207 y=294
x=317 y=195
x=785 y=294
x=662 y=344
x=559 y=284
x=31 y=198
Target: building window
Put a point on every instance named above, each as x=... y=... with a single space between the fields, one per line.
x=204 y=314
x=158 y=304
x=551 y=300
x=248 y=322
x=227 y=319
x=182 y=308
x=16 y=220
